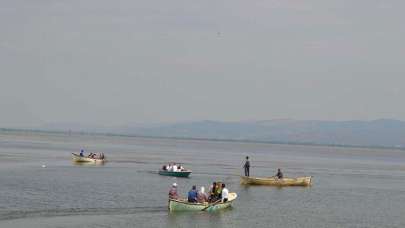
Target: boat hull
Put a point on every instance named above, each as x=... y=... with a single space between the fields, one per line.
x=273 y=181
x=78 y=158
x=183 y=205
x=175 y=174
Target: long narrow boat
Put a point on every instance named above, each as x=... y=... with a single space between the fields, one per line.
x=274 y=181
x=183 y=205
x=78 y=158
x=184 y=173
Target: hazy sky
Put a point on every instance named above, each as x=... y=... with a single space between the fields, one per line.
x=111 y=62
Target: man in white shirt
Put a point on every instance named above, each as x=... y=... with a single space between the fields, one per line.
x=174 y=168
x=224 y=193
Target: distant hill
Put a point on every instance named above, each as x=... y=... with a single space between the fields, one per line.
x=382 y=132
x=376 y=133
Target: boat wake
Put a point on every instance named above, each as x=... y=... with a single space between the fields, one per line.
x=21 y=214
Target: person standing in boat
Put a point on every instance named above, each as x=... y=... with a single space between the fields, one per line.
x=279 y=174
x=247 y=166
x=173 y=192
x=81 y=153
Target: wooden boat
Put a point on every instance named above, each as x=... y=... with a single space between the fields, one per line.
x=184 y=205
x=274 y=181
x=78 y=158
x=184 y=173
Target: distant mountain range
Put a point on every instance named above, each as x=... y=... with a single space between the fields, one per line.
x=378 y=133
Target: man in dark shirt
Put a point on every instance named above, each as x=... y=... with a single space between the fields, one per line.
x=247 y=166
x=279 y=174
x=192 y=195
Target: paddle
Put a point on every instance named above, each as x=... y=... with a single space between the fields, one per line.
x=212 y=204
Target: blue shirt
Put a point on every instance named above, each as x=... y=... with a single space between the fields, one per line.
x=192 y=196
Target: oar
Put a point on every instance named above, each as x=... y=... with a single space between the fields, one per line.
x=212 y=204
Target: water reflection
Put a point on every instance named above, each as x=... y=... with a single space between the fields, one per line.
x=88 y=164
x=196 y=219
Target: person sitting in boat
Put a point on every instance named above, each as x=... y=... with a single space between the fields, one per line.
x=192 y=195
x=90 y=155
x=164 y=167
x=215 y=193
x=202 y=196
x=279 y=174
x=213 y=190
x=224 y=193
x=219 y=191
x=81 y=153
x=173 y=192
x=174 y=168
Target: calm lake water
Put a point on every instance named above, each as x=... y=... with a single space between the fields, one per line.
x=352 y=187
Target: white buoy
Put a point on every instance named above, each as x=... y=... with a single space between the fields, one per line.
x=43 y=166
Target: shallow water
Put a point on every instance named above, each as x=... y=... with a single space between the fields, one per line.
x=352 y=187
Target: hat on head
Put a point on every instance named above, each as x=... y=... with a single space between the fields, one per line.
x=174 y=185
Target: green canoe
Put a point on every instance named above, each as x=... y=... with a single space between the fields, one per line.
x=183 y=205
x=184 y=173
